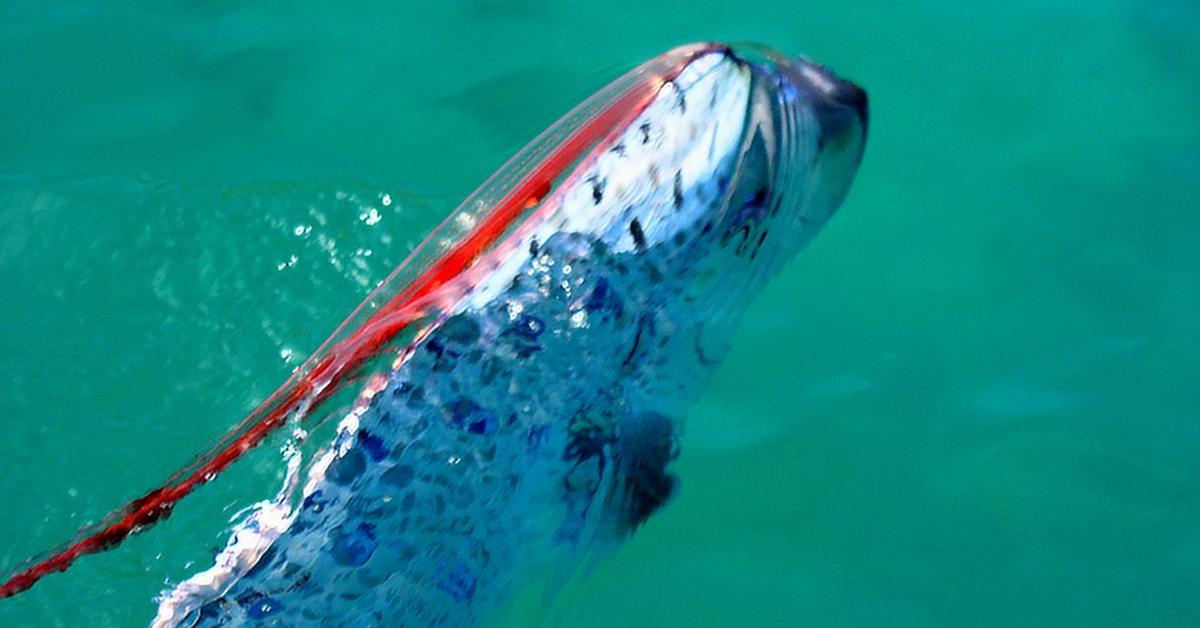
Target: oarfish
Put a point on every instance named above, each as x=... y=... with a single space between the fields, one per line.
x=523 y=376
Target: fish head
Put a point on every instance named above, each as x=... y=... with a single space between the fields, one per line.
x=740 y=159
x=747 y=148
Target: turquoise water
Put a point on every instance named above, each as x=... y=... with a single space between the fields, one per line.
x=973 y=401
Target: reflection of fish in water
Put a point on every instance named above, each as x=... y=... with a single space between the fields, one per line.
x=527 y=367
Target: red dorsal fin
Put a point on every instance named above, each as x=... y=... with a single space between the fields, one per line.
x=342 y=356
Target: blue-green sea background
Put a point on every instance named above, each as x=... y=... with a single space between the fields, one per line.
x=974 y=401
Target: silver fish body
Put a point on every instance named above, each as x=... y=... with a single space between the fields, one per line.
x=534 y=421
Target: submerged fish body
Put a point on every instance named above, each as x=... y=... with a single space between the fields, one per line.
x=535 y=419
x=531 y=417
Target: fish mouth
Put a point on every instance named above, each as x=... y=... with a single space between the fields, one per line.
x=837 y=93
x=841 y=106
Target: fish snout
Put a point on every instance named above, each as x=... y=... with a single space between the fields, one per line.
x=840 y=105
x=840 y=92
x=822 y=133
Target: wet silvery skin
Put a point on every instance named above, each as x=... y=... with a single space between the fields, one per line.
x=535 y=422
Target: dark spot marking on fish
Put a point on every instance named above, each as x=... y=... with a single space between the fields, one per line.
x=316 y=502
x=535 y=438
x=652 y=271
x=522 y=336
x=654 y=176
x=355 y=548
x=465 y=414
x=400 y=475
x=301 y=582
x=211 y=612
x=680 y=101
x=589 y=431
x=760 y=196
x=416 y=398
x=456 y=580
x=639 y=236
x=533 y=247
x=346 y=468
x=619 y=149
x=704 y=359
x=372 y=444
x=747 y=218
x=677 y=192
x=758 y=247
x=445 y=356
x=489 y=371
x=461 y=328
x=602 y=297
x=531 y=326
x=597 y=190
x=645 y=129
x=743 y=246
x=722 y=182
x=644 y=322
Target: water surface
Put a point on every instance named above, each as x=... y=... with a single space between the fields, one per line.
x=972 y=402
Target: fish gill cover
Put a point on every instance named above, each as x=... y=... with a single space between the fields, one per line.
x=519 y=381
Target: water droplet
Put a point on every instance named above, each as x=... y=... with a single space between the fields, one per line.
x=371 y=216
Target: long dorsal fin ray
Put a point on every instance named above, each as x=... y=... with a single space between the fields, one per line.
x=407 y=296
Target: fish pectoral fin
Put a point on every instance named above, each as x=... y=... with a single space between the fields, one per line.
x=646 y=445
